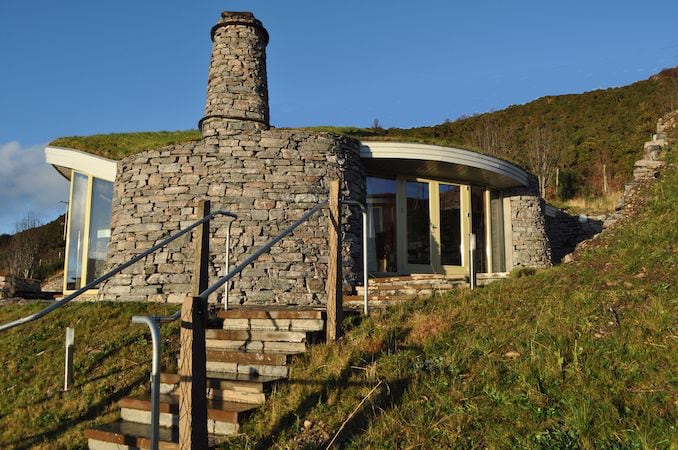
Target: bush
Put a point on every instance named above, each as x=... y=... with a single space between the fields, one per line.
x=568 y=184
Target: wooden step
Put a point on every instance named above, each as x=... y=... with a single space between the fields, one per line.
x=222 y=416
x=123 y=435
x=234 y=387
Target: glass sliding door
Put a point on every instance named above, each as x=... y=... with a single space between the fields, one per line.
x=99 y=228
x=76 y=230
x=449 y=204
x=479 y=227
x=418 y=223
x=381 y=217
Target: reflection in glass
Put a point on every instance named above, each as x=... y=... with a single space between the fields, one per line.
x=78 y=207
x=478 y=226
x=497 y=230
x=99 y=228
x=450 y=224
x=418 y=223
x=381 y=215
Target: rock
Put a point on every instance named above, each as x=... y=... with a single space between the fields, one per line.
x=307 y=424
x=511 y=355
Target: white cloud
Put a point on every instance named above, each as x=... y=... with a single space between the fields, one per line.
x=28 y=183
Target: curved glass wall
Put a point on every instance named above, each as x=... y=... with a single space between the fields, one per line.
x=89 y=229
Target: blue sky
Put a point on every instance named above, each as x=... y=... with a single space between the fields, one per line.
x=86 y=67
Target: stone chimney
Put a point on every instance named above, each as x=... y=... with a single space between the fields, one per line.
x=237 y=90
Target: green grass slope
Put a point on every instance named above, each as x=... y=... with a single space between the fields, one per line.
x=578 y=356
x=112 y=360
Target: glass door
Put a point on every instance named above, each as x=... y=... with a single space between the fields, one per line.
x=435 y=227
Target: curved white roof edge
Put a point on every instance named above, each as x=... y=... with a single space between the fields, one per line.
x=64 y=159
x=425 y=152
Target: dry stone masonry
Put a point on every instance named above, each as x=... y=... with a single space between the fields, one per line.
x=529 y=242
x=269 y=178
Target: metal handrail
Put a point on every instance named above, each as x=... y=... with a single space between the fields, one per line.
x=152 y=322
x=106 y=276
x=223 y=280
x=363 y=210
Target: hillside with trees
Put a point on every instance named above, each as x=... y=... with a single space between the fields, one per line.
x=586 y=136
x=35 y=251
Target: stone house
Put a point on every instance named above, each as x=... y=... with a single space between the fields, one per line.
x=424 y=202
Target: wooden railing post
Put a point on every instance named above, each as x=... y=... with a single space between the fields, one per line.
x=334 y=275
x=192 y=360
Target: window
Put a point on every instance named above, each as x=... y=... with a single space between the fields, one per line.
x=89 y=229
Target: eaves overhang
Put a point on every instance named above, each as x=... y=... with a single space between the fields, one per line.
x=433 y=161
x=65 y=160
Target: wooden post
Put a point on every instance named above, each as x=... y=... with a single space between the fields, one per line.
x=334 y=276
x=193 y=360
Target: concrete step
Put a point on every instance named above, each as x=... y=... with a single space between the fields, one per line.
x=233 y=387
x=222 y=416
x=123 y=435
x=250 y=362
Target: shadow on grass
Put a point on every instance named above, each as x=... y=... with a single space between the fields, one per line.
x=89 y=414
x=385 y=399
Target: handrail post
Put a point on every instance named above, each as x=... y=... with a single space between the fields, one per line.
x=68 y=362
x=334 y=275
x=472 y=261
x=192 y=361
x=363 y=210
x=155 y=378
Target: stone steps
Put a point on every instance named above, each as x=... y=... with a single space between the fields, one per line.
x=222 y=416
x=245 y=359
x=123 y=435
x=233 y=387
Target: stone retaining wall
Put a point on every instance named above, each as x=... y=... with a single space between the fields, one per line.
x=565 y=231
x=11 y=286
x=269 y=178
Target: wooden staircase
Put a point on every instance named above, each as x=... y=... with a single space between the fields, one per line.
x=245 y=359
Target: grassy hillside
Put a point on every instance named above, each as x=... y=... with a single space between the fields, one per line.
x=603 y=127
x=112 y=360
x=587 y=130
x=578 y=356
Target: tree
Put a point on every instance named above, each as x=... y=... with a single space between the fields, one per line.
x=22 y=256
x=543 y=156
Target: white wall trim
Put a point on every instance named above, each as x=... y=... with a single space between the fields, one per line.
x=65 y=160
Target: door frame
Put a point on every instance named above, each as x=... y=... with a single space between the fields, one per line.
x=435 y=265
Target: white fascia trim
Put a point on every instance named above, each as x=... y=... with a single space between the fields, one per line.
x=68 y=158
x=406 y=150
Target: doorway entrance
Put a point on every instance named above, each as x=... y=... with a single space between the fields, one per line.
x=435 y=221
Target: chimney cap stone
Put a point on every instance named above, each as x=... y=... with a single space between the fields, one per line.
x=245 y=18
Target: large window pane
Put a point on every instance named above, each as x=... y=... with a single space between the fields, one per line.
x=76 y=241
x=418 y=223
x=497 y=230
x=99 y=228
x=450 y=224
x=381 y=214
x=478 y=227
